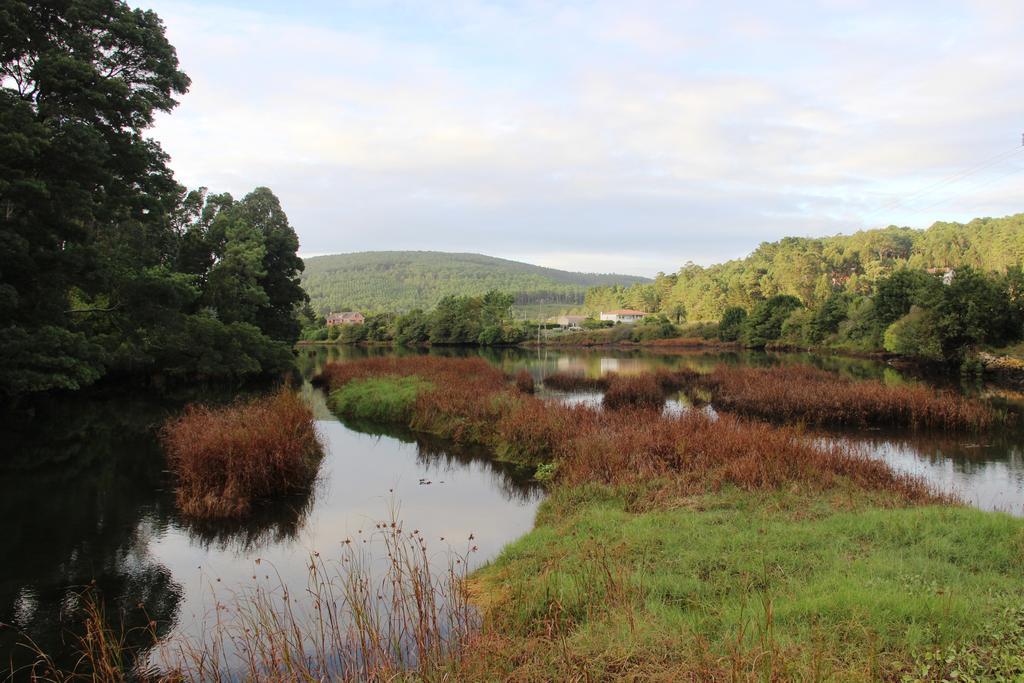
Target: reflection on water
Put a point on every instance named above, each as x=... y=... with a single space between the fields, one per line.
x=84 y=496
x=986 y=471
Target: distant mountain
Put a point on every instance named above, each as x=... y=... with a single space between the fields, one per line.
x=403 y=280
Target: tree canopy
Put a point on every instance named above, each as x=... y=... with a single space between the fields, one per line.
x=107 y=266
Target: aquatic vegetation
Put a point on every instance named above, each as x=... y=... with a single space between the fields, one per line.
x=567 y=381
x=472 y=402
x=802 y=394
x=524 y=381
x=806 y=394
x=227 y=458
x=385 y=399
x=634 y=391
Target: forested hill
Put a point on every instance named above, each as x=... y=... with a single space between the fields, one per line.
x=812 y=269
x=404 y=280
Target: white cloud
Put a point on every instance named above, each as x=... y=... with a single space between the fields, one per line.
x=652 y=132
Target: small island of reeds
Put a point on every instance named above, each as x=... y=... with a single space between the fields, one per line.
x=227 y=458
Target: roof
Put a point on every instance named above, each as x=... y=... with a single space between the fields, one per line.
x=625 y=311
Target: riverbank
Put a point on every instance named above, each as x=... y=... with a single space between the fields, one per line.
x=844 y=584
x=696 y=549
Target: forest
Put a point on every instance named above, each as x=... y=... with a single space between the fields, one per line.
x=401 y=281
x=109 y=268
x=932 y=294
x=813 y=269
x=486 y=320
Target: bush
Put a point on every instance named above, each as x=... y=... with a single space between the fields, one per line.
x=227 y=458
x=914 y=335
x=764 y=324
x=633 y=391
x=730 y=328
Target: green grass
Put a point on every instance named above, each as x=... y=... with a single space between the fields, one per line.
x=381 y=399
x=807 y=586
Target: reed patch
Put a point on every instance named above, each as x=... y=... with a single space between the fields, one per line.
x=225 y=459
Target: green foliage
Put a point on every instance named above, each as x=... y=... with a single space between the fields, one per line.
x=731 y=326
x=765 y=322
x=400 y=281
x=107 y=266
x=895 y=294
x=915 y=334
x=382 y=399
x=797 y=328
x=795 y=585
x=813 y=268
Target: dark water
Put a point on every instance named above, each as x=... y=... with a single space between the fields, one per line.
x=84 y=496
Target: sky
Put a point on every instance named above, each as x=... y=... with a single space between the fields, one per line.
x=600 y=136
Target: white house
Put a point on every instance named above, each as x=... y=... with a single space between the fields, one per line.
x=624 y=316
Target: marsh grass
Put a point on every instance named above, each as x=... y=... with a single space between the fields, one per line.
x=379 y=399
x=227 y=458
x=472 y=402
x=812 y=396
x=387 y=607
x=634 y=391
x=771 y=586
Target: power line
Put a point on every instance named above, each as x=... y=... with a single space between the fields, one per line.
x=905 y=201
x=972 y=190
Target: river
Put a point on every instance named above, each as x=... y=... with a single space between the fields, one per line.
x=85 y=498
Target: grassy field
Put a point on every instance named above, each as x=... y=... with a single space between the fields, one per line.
x=735 y=585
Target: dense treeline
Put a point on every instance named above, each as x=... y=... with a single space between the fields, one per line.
x=813 y=269
x=107 y=265
x=911 y=313
x=478 y=320
x=400 y=281
x=933 y=294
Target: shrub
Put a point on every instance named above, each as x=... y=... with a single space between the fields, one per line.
x=524 y=381
x=731 y=326
x=634 y=391
x=914 y=335
x=227 y=458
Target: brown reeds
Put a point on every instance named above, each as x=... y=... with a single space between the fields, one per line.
x=524 y=381
x=634 y=391
x=695 y=451
x=806 y=394
x=226 y=458
x=383 y=610
x=568 y=381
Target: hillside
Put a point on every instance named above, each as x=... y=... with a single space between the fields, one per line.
x=403 y=280
x=813 y=268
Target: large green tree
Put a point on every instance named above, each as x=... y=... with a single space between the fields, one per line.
x=107 y=266
x=81 y=81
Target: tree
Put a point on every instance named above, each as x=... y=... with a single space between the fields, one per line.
x=82 y=80
x=731 y=326
x=765 y=322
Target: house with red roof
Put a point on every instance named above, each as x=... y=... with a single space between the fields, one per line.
x=345 y=318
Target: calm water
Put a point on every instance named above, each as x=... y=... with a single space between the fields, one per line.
x=84 y=496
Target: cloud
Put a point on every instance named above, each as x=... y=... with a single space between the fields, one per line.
x=656 y=132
